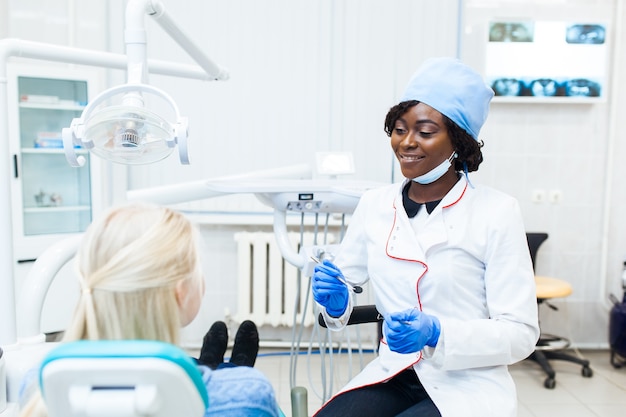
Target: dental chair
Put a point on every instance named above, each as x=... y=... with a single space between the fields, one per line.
x=121 y=378
x=130 y=378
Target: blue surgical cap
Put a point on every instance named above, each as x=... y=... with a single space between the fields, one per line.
x=453 y=89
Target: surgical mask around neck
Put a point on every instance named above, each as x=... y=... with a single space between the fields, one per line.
x=437 y=172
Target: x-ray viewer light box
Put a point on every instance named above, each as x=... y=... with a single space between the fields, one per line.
x=547 y=61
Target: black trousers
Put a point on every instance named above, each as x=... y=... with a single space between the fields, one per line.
x=402 y=396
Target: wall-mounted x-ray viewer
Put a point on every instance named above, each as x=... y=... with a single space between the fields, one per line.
x=547 y=61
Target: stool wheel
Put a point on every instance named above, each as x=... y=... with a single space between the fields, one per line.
x=549 y=383
x=587 y=372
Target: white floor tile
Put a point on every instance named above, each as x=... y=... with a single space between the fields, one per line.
x=523 y=411
x=557 y=410
x=607 y=410
x=602 y=395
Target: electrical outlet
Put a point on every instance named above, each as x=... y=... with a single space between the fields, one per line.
x=555 y=196
x=538 y=196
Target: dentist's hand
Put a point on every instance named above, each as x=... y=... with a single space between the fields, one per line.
x=329 y=289
x=410 y=330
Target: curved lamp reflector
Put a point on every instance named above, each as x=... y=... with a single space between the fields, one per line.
x=127 y=133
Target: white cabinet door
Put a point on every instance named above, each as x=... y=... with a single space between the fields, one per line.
x=50 y=200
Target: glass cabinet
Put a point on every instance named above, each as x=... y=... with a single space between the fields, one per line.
x=51 y=198
x=56 y=197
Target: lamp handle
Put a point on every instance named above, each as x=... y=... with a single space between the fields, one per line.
x=124 y=88
x=68 y=136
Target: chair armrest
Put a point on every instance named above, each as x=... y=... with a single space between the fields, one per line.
x=360 y=314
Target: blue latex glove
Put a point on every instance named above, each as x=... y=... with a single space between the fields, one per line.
x=329 y=289
x=410 y=330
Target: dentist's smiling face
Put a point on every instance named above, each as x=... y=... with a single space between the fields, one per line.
x=420 y=140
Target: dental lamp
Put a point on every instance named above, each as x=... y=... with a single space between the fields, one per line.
x=129 y=132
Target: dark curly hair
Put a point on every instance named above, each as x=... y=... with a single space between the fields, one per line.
x=467 y=148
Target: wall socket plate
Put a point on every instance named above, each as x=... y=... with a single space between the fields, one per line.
x=538 y=196
x=555 y=196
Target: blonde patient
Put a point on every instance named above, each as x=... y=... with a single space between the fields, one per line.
x=140 y=276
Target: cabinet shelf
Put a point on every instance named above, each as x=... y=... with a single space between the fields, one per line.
x=547 y=100
x=57 y=209
x=50 y=151
x=46 y=106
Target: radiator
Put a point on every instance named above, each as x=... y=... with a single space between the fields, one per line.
x=267 y=284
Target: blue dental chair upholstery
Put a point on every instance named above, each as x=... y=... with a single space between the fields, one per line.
x=122 y=378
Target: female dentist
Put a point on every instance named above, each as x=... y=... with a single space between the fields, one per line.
x=448 y=263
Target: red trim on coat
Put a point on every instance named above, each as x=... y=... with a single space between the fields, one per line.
x=457 y=200
x=369 y=385
x=395 y=216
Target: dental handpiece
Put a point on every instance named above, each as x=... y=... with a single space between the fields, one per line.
x=356 y=288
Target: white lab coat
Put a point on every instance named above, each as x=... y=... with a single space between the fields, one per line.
x=468 y=265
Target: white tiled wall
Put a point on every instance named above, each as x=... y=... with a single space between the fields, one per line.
x=318 y=76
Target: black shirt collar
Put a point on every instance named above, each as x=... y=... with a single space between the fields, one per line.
x=411 y=207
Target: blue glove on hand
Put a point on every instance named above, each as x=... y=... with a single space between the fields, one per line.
x=410 y=330
x=329 y=289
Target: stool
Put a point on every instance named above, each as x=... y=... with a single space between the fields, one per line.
x=551 y=346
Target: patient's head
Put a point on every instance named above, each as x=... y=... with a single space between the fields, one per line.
x=140 y=276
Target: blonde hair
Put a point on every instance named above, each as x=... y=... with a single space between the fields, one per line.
x=129 y=264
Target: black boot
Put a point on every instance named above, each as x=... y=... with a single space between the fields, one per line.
x=246 y=345
x=214 y=345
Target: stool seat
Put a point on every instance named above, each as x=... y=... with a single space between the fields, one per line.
x=548 y=287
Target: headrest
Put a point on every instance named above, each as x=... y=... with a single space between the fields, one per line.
x=82 y=377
